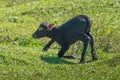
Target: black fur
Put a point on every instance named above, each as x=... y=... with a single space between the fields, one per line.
x=77 y=28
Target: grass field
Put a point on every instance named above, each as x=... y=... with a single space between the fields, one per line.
x=21 y=57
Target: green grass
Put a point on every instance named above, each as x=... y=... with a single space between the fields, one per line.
x=26 y=63
x=21 y=57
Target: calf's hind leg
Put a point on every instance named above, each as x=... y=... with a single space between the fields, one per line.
x=85 y=39
x=94 y=56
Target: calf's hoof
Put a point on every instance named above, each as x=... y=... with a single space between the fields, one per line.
x=60 y=55
x=95 y=58
x=44 y=49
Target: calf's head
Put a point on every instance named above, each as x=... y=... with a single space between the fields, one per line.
x=42 y=30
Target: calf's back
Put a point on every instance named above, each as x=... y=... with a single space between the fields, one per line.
x=78 y=25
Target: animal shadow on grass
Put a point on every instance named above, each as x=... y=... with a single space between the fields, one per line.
x=55 y=60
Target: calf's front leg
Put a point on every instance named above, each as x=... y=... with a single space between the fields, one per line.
x=62 y=51
x=47 y=46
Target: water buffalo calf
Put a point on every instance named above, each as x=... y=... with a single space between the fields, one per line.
x=77 y=28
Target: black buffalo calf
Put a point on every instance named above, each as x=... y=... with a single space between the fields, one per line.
x=77 y=28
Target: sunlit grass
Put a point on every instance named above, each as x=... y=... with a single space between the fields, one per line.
x=21 y=57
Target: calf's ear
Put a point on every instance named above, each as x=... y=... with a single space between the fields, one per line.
x=51 y=26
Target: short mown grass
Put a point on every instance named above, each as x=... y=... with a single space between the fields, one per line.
x=26 y=63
